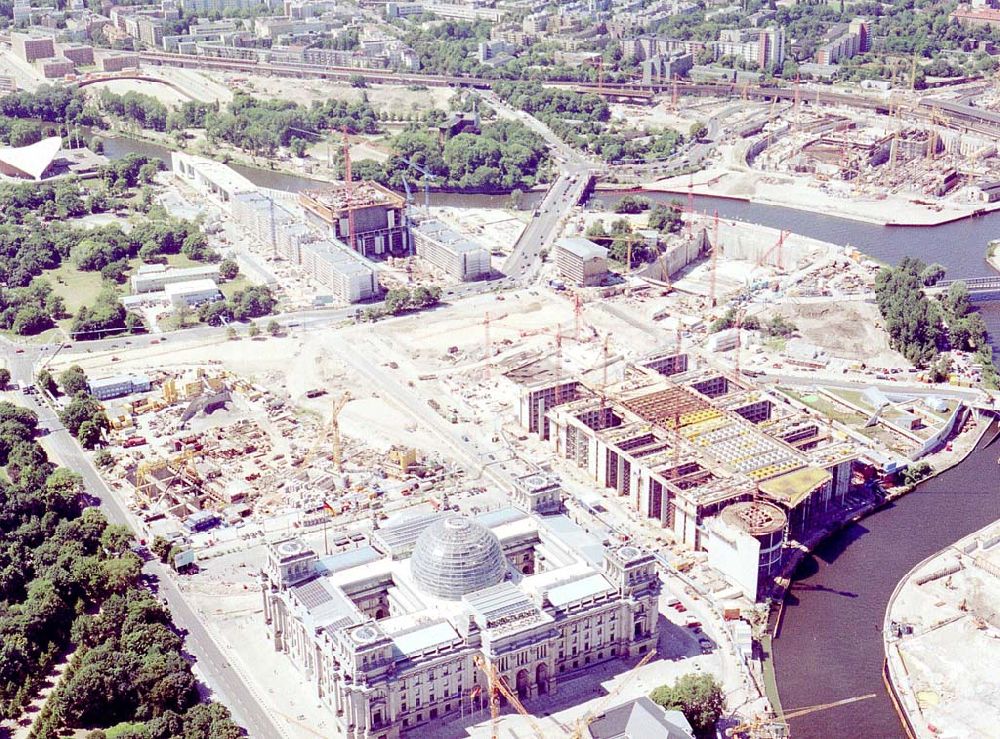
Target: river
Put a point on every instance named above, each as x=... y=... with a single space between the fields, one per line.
x=830 y=644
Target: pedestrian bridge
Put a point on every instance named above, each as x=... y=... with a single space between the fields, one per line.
x=981 y=289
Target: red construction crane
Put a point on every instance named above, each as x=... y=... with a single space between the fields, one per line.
x=776 y=248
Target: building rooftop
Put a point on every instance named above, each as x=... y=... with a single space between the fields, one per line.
x=34 y=159
x=341 y=195
x=449 y=237
x=583 y=248
x=794 y=487
x=190 y=286
x=640 y=719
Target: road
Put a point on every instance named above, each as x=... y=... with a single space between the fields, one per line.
x=228 y=686
x=574 y=175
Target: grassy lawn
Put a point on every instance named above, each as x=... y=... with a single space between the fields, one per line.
x=76 y=287
x=228 y=288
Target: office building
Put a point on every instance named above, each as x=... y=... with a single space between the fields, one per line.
x=376 y=214
x=581 y=261
x=451 y=252
x=391 y=635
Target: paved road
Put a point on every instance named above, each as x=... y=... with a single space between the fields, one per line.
x=574 y=170
x=228 y=686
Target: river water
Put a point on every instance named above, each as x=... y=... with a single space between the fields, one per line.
x=830 y=645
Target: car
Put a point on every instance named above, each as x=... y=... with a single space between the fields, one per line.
x=19 y=350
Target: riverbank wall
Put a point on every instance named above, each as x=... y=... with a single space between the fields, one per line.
x=930 y=633
x=755 y=187
x=784 y=581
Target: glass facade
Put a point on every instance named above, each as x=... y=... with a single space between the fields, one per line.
x=455 y=556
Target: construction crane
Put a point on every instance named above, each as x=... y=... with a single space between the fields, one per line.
x=775 y=248
x=427 y=176
x=332 y=428
x=715 y=258
x=753 y=727
x=338 y=451
x=591 y=717
x=498 y=687
x=738 y=322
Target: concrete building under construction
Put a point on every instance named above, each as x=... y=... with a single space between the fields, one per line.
x=376 y=215
x=394 y=635
x=680 y=445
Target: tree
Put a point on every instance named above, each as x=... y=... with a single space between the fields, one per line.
x=161 y=547
x=397 y=300
x=104 y=459
x=298 y=147
x=46 y=383
x=4 y=378
x=89 y=434
x=30 y=319
x=228 y=269
x=254 y=331
x=81 y=409
x=932 y=273
x=73 y=380
x=273 y=327
x=632 y=204
x=698 y=696
x=698 y=129
x=231 y=333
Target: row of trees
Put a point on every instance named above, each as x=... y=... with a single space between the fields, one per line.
x=401 y=300
x=68 y=578
x=250 y=302
x=583 y=121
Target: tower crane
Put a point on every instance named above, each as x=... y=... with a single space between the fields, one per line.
x=776 y=248
x=755 y=726
x=587 y=720
x=498 y=687
x=333 y=428
x=427 y=176
x=338 y=406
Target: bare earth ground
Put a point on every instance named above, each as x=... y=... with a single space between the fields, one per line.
x=382 y=97
x=164 y=93
x=851 y=330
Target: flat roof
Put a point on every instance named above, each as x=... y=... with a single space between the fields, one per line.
x=190 y=286
x=220 y=174
x=448 y=237
x=585 y=587
x=583 y=248
x=416 y=641
x=793 y=487
x=337 y=257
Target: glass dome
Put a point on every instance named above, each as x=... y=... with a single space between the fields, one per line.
x=455 y=556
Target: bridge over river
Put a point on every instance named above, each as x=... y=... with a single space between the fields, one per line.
x=981 y=289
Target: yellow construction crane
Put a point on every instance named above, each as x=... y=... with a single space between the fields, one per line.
x=338 y=406
x=753 y=728
x=498 y=687
x=332 y=428
x=583 y=723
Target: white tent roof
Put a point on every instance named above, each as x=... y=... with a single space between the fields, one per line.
x=34 y=159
